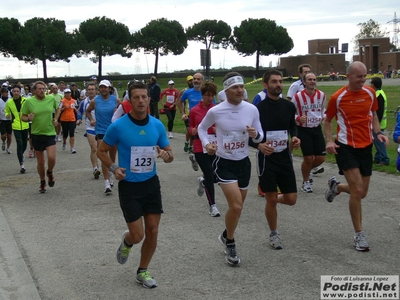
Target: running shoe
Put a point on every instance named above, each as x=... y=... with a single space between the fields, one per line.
x=63 y=146
x=260 y=192
x=186 y=147
x=42 y=188
x=73 y=151
x=310 y=178
x=50 y=178
x=22 y=170
x=8 y=150
x=275 y=242
x=214 y=211
x=58 y=139
x=96 y=174
x=231 y=256
x=108 y=190
x=3 y=146
x=170 y=136
x=222 y=240
x=195 y=165
x=200 y=188
x=306 y=187
x=110 y=179
x=360 y=242
x=331 y=193
x=31 y=155
x=318 y=170
x=146 y=280
x=123 y=251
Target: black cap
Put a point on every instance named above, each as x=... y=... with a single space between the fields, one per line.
x=4 y=89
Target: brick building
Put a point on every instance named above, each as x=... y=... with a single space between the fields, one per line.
x=375 y=54
x=323 y=55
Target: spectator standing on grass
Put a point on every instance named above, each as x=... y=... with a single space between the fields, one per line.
x=381 y=157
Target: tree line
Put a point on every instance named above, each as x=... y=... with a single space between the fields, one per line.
x=40 y=39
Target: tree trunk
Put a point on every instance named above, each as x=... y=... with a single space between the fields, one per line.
x=44 y=70
x=100 y=66
x=257 y=63
x=156 y=63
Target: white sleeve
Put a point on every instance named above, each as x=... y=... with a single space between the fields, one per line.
x=292 y=90
x=257 y=126
x=117 y=114
x=206 y=123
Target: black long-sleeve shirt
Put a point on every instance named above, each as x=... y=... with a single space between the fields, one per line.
x=276 y=115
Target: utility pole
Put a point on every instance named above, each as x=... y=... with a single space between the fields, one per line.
x=395 y=38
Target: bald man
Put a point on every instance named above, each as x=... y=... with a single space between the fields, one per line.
x=354 y=106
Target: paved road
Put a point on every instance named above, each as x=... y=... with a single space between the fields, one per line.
x=61 y=245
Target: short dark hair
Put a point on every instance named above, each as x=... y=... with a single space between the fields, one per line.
x=377 y=82
x=267 y=75
x=209 y=87
x=300 y=68
x=16 y=86
x=138 y=86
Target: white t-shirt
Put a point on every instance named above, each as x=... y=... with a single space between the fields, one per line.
x=296 y=87
x=231 y=123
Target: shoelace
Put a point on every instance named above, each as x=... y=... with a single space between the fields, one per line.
x=361 y=240
x=125 y=251
x=232 y=251
x=145 y=275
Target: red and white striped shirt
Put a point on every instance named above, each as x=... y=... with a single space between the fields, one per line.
x=312 y=106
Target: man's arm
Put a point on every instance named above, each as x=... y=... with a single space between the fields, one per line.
x=179 y=104
x=166 y=154
x=377 y=129
x=91 y=106
x=381 y=107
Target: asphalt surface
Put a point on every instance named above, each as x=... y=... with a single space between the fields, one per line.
x=62 y=244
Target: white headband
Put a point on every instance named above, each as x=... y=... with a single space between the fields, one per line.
x=230 y=82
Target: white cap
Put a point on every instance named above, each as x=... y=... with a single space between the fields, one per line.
x=171 y=82
x=105 y=82
x=4 y=84
x=67 y=91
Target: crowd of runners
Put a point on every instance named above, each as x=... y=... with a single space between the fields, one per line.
x=129 y=139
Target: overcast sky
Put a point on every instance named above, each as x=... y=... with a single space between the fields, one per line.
x=304 y=20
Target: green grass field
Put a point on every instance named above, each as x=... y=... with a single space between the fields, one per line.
x=392 y=93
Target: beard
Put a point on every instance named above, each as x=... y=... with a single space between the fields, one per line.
x=276 y=92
